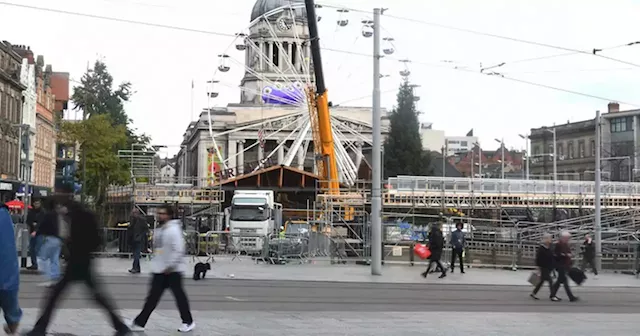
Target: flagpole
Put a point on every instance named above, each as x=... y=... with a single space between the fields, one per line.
x=192 y=87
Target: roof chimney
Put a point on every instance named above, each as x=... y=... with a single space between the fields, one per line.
x=614 y=107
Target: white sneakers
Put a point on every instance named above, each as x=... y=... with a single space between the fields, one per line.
x=183 y=328
x=187 y=327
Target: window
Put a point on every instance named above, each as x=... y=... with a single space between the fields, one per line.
x=570 y=150
x=536 y=150
x=276 y=55
x=581 y=149
x=464 y=143
x=593 y=147
x=560 y=149
x=621 y=124
x=549 y=149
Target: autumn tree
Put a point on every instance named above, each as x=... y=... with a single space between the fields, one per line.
x=403 y=153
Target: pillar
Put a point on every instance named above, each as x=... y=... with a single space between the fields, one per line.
x=232 y=150
x=359 y=155
x=301 y=158
x=240 y=157
x=280 y=152
x=260 y=154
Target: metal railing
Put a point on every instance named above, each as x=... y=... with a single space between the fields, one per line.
x=426 y=184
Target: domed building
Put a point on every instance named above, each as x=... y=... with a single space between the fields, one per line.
x=257 y=132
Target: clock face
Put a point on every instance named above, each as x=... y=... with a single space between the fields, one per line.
x=284 y=24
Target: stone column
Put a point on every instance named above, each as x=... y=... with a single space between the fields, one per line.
x=280 y=152
x=232 y=149
x=301 y=158
x=315 y=166
x=240 y=157
x=260 y=154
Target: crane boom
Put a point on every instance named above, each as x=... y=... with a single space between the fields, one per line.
x=329 y=169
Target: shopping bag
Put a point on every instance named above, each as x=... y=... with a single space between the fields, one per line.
x=577 y=275
x=422 y=251
x=534 y=278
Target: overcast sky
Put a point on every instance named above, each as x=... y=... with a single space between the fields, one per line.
x=161 y=63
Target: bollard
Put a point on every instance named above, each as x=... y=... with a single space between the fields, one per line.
x=24 y=249
x=411 y=256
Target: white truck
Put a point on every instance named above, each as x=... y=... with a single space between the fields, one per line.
x=252 y=216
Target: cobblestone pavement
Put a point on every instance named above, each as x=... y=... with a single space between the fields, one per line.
x=90 y=322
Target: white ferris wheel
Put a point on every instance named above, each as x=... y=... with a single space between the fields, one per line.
x=272 y=57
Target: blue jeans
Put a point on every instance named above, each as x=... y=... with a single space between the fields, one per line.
x=137 y=249
x=50 y=255
x=34 y=246
x=9 y=306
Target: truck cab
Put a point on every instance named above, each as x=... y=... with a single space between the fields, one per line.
x=253 y=215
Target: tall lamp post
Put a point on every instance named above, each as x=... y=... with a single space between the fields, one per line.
x=526 y=153
x=555 y=156
x=597 y=222
x=501 y=142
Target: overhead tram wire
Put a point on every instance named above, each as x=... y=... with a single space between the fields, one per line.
x=206 y=32
x=592 y=52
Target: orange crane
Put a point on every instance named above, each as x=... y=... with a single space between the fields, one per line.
x=321 y=119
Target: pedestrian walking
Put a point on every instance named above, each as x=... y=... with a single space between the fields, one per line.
x=137 y=236
x=10 y=274
x=458 y=244
x=563 y=264
x=49 y=232
x=589 y=255
x=168 y=267
x=545 y=261
x=82 y=240
x=34 y=217
x=436 y=245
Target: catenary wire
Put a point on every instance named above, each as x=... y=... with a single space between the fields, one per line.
x=201 y=31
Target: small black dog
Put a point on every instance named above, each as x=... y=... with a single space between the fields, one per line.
x=200 y=270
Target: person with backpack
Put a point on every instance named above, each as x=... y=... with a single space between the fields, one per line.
x=137 y=236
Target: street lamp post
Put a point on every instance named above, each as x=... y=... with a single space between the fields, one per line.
x=597 y=222
x=502 y=150
x=555 y=156
x=526 y=154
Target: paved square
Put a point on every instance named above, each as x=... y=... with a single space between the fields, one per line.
x=92 y=322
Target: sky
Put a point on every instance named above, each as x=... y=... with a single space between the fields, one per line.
x=162 y=63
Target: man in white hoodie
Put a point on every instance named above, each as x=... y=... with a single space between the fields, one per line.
x=168 y=267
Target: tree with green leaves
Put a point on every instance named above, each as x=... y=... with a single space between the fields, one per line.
x=96 y=96
x=403 y=153
x=101 y=141
x=105 y=130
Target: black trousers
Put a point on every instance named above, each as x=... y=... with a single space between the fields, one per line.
x=438 y=266
x=563 y=279
x=160 y=282
x=77 y=271
x=457 y=252
x=591 y=262
x=545 y=276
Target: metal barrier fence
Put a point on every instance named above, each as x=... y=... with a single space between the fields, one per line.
x=490 y=243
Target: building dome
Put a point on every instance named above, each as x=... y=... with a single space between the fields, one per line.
x=264 y=6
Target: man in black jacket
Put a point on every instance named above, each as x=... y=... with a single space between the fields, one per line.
x=137 y=234
x=436 y=245
x=545 y=263
x=589 y=254
x=563 y=261
x=82 y=241
x=34 y=217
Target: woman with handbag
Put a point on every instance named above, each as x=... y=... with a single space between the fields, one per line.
x=545 y=261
